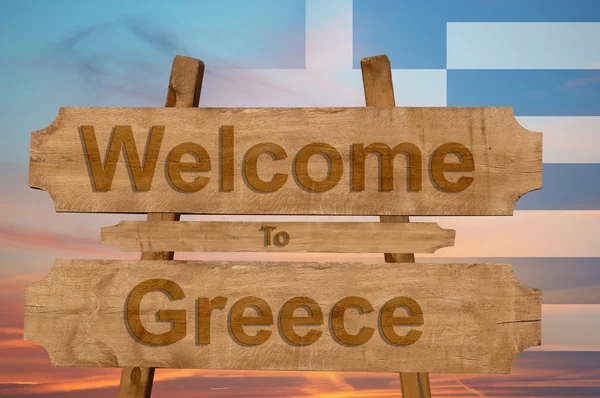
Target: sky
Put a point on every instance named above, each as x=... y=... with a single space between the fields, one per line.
x=539 y=56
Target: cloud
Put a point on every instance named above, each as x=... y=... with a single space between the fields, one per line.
x=581 y=294
x=163 y=41
x=132 y=55
x=474 y=391
x=592 y=78
x=14 y=285
x=532 y=376
x=15 y=236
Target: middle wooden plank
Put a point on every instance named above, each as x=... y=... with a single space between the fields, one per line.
x=314 y=237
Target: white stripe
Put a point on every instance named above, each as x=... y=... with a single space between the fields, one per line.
x=541 y=233
x=419 y=87
x=570 y=327
x=328 y=34
x=567 y=139
x=523 y=45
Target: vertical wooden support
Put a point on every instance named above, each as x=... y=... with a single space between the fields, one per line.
x=415 y=385
x=379 y=92
x=185 y=85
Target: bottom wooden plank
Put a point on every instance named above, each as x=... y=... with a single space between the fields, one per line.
x=456 y=318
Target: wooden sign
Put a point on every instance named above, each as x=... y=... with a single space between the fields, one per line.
x=361 y=161
x=456 y=318
x=332 y=237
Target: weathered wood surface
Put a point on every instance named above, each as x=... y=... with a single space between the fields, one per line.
x=379 y=92
x=476 y=317
x=506 y=158
x=332 y=237
x=185 y=84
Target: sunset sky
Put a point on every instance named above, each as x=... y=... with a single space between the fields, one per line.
x=541 y=57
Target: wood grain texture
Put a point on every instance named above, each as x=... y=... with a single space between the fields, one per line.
x=477 y=317
x=185 y=84
x=334 y=237
x=507 y=160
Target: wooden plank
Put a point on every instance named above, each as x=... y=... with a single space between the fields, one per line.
x=379 y=92
x=506 y=159
x=475 y=317
x=331 y=237
x=185 y=84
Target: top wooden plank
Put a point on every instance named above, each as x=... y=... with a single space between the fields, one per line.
x=352 y=161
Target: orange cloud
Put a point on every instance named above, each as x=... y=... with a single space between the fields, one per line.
x=14 y=236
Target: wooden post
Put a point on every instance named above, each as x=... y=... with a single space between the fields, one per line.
x=185 y=85
x=379 y=92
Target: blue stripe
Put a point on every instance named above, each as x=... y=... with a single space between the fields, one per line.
x=565 y=186
x=538 y=374
x=529 y=92
x=413 y=33
x=550 y=274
